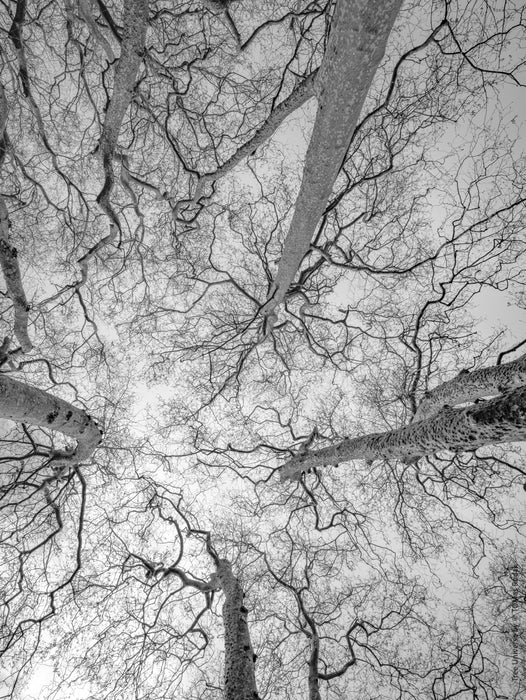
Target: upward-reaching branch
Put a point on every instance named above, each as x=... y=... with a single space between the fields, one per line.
x=301 y=94
x=135 y=23
x=359 y=33
x=469 y=386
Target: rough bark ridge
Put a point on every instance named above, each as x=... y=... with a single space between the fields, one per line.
x=8 y=253
x=359 y=33
x=498 y=420
x=240 y=678
x=26 y=404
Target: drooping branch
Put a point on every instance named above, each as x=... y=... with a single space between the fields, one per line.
x=498 y=420
x=356 y=45
x=240 y=678
x=26 y=404
x=468 y=386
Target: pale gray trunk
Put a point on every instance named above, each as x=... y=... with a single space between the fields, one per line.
x=314 y=679
x=85 y=9
x=240 y=678
x=358 y=37
x=301 y=93
x=26 y=404
x=8 y=253
x=498 y=420
x=469 y=386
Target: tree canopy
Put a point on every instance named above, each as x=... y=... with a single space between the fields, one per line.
x=262 y=349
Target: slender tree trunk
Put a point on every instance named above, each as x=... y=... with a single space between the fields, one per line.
x=358 y=37
x=314 y=679
x=135 y=25
x=240 y=678
x=26 y=404
x=301 y=94
x=8 y=253
x=498 y=420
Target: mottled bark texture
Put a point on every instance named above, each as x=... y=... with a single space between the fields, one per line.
x=26 y=404
x=8 y=252
x=358 y=37
x=498 y=420
x=240 y=678
x=467 y=386
x=135 y=24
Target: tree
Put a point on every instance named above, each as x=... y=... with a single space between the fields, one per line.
x=168 y=186
x=438 y=425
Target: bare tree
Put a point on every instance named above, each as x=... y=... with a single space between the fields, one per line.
x=438 y=425
x=356 y=45
x=160 y=148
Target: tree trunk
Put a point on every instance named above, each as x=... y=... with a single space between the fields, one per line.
x=26 y=404
x=498 y=420
x=240 y=678
x=303 y=92
x=8 y=253
x=469 y=386
x=358 y=37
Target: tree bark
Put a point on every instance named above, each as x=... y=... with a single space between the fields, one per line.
x=8 y=253
x=135 y=24
x=359 y=33
x=240 y=678
x=301 y=94
x=469 y=386
x=26 y=404
x=498 y=420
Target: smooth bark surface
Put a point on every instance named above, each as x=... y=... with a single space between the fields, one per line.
x=357 y=41
x=26 y=404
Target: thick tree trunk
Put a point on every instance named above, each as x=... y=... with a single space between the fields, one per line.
x=498 y=420
x=26 y=404
x=359 y=33
x=469 y=386
x=240 y=678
